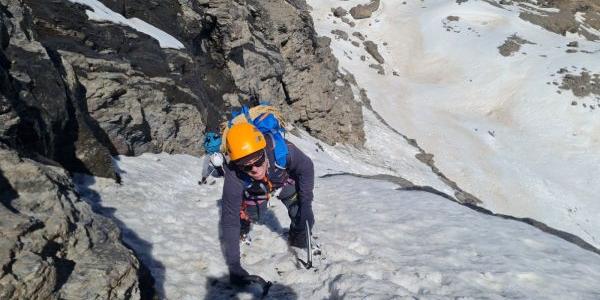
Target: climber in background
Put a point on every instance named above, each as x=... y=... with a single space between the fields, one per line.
x=213 y=161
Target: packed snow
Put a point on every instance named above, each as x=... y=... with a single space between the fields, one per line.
x=495 y=124
x=378 y=242
x=99 y=12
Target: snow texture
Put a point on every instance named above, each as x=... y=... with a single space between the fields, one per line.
x=495 y=125
x=379 y=242
x=99 y=12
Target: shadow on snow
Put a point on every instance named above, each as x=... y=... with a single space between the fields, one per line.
x=152 y=272
x=220 y=289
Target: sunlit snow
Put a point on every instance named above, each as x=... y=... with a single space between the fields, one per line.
x=495 y=125
x=379 y=242
x=100 y=12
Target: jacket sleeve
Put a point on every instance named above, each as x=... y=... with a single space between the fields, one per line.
x=231 y=202
x=301 y=168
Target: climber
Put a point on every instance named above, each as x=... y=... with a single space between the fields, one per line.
x=252 y=175
x=213 y=161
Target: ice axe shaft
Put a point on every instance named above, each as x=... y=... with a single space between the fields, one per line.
x=309 y=258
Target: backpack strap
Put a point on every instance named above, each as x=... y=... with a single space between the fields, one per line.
x=244 y=110
x=268 y=124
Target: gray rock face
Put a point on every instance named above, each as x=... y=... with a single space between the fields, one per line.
x=272 y=49
x=42 y=108
x=143 y=98
x=563 y=16
x=360 y=12
x=148 y=99
x=52 y=246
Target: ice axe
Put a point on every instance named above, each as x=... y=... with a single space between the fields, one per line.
x=309 y=255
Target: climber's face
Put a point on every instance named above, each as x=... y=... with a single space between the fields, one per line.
x=257 y=167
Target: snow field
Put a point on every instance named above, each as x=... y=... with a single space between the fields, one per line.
x=380 y=243
x=494 y=124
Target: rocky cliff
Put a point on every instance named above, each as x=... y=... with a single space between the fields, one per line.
x=76 y=89
x=52 y=246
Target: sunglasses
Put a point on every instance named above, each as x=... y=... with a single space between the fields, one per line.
x=257 y=163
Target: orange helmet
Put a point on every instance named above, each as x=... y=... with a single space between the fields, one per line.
x=244 y=139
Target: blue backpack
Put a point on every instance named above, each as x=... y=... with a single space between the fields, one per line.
x=268 y=124
x=212 y=142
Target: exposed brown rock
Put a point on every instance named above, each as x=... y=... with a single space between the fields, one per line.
x=582 y=85
x=564 y=20
x=340 y=34
x=512 y=44
x=339 y=12
x=371 y=48
x=363 y=11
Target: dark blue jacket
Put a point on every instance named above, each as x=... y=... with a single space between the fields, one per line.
x=299 y=167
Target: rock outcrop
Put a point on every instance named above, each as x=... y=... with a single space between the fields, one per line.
x=145 y=98
x=372 y=49
x=52 y=246
x=43 y=112
x=273 y=49
x=512 y=44
x=339 y=12
x=580 y=17
x=363 y=11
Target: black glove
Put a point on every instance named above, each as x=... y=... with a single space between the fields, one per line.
x=297 y=239
x=239 y=279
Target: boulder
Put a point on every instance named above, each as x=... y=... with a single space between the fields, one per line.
x=339 y=12
x=363 y=11
x=53 y=245
x=340 y=34
x=371 y=48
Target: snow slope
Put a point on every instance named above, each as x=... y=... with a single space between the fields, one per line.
x=99 y=12
x=496 y=124
x=380 y=243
